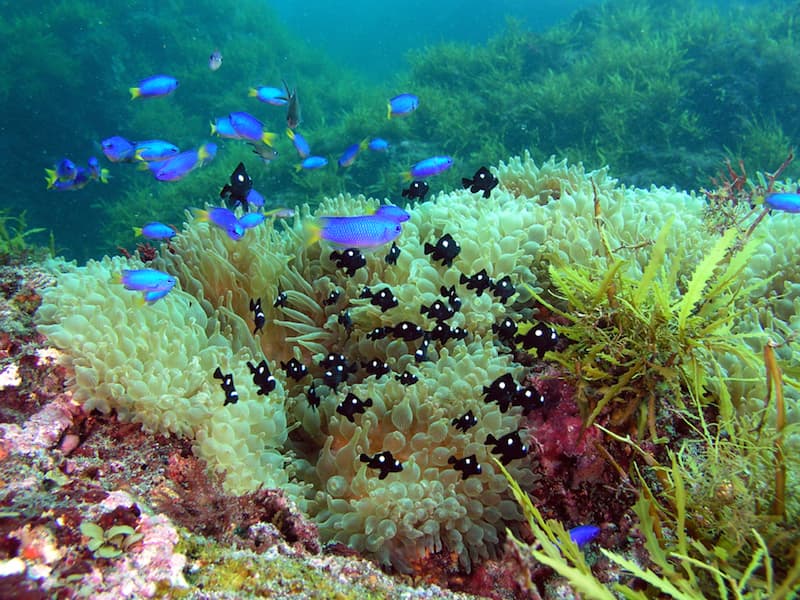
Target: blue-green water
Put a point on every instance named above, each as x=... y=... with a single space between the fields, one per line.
x=660 y=91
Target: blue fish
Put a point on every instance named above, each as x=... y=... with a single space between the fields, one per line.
x=223 y=128
x=583 y=534
x=251 y=220
x=255 y=198
x=300 y=143
x=269 y=95
x=363 y=231
x=428 y=167
x=787 y=202
x=402 y=105
x=154 y=86
x=95 y=171
x=378 y=145
x=151 y=150
x=312 y=162
x=250 y=128
x=155 y=231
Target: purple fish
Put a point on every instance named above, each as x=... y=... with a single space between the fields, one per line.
x=180 y=165
x=351 y=152
x=145 y=280
x=222 y=218
x=82 y=177
x=392 y=213
x=153 y=87
x=428 y=167
x=363 y=231
x=66 y=170
x=118 y=149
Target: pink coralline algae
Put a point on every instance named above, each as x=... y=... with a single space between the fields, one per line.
x=43 y=430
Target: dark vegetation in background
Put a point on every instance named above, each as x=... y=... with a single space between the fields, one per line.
x=660 y=91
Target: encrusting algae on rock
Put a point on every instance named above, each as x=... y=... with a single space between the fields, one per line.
x=155 y=364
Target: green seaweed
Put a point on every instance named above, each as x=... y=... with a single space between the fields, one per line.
x=635 y=339
x=14 y=233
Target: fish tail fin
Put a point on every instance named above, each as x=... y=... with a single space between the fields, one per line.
x=363 y=144
x=290 y=133
x=252 y=92
x=200 y=215
x=313 y=233
x=105 y=174
x=137 y=231
x=466 y=182
x=50 y=177
x=137 y=154
x=206 y=153
x=143 y=165
x=298 y=167
x=388 y=110
x=116 y=278
x=203 y=154
x=268 y=138
x=214 y=130
x=140 y=301
x=135 y=92
x=407 y=176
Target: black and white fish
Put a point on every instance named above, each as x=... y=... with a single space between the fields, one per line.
x=394 y=253
x=502 y=391
x=294 y=369
x=483 y=181
x=465 y=421
x=503 y=289
x=231 y=395
x=479 y=282
x=350 y=259
x=406 y=378
x=262 y=377
x=384 y=461
x=509 y=446
x=376 y=367
x=239 y=187
x=352 y=405
x=416 y=189
x=540 y=336
x=258 y=315
x=445 y=250
x=467 y=466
